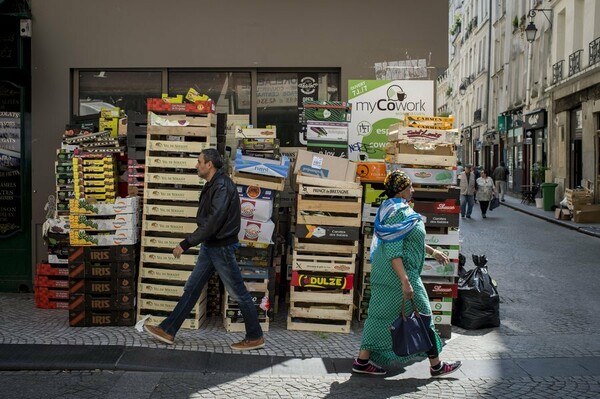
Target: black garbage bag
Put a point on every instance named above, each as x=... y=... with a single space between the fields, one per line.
x=478 y=302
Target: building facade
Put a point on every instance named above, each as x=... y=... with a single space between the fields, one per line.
x=543 y=89
x=249 y=55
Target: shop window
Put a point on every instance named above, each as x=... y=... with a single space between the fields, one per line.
x=127 y=90
x=231 y=91
x=279 y=98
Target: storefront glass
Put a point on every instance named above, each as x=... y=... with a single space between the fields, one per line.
x=127 y=90
x=279 y=98
x=231 y=91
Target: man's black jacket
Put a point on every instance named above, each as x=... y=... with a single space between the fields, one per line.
x=218 y=215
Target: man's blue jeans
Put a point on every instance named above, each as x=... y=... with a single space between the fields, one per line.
x=221 y=259
x=466 y=205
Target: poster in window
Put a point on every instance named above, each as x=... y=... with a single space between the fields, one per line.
x=10 y=160
x=10 y=41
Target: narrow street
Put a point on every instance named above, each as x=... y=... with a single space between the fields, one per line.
x=547 y=346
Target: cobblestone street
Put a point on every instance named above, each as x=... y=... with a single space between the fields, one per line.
x=548 y=344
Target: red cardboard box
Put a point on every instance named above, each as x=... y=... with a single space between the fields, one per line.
x=199 y=107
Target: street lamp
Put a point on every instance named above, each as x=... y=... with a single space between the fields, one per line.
x=462 y=89
x=530 y=32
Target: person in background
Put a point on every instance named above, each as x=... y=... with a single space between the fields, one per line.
x=467 y=191
x=459 y=168
x=397 y=256
x=500 y=176
x=218 y=219
x=485 y=191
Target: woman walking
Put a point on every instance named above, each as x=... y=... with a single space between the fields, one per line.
x=397 y=256
x=486 y=190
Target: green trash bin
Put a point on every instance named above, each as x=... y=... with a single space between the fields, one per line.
x=548 y=195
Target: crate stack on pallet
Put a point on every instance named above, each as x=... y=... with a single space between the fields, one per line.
x=425 y=148
x=260 y=172
x=103 y=261
x=326 y=242
x=176 y=134
x=371 y=176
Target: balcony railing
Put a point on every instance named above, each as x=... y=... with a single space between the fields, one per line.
x=477 y=115
x=557 y=72
x=594 y=51
x=575 y=62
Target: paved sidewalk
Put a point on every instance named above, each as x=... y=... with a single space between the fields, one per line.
x=515 y=203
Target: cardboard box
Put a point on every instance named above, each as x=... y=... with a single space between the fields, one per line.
x=262 y=166
x=327 y=131
x=120 y=206
x=427 y=176
x=98 y=319
x=331 y=148
x=257 y=209
x=115 y=253
x=82 y=302
x=441 y=289
x=119 y=237
x=374 y=172
x=441 y=304
x=330 y=111
x=562 y=214
x=199 y=107
x=452 y=238
x=255 y=192
x=374 y=196
x=324 y=166
x=127 y=221
x=434 y=268
x=101 y=270
x=252 y=230
x=440 y=219
x=317 y=233
x=242 y=132
x=445 y=207
x=114 y=285
x=587 y=214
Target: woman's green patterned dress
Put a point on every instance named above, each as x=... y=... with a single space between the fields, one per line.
x=386 y=291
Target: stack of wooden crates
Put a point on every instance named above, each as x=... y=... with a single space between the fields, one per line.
x=425 y=148
x=176 y=134
x=325 y=245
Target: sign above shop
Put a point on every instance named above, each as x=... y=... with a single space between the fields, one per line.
x=378 y=104
x=535 y=120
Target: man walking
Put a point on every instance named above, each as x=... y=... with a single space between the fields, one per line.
x=467 y=191
x=500 y=176
x=218 y=220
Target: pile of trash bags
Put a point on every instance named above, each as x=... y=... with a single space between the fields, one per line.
x=478 y=302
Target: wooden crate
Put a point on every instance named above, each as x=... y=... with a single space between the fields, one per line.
x=320 y=182
x=329 y=311
x=331 y=206
x=160 y=306
x=319 y=262
x=234 y=326
x=250 y=179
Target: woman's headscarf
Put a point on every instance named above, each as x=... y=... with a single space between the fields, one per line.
x=395 y=182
